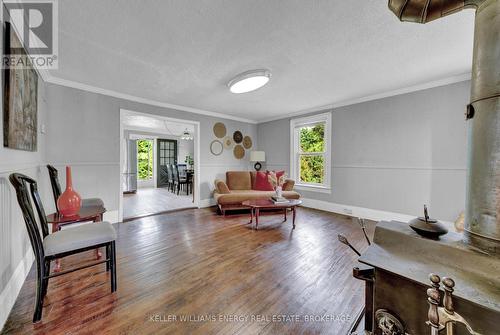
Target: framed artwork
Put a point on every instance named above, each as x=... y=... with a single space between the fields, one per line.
x=20 y=99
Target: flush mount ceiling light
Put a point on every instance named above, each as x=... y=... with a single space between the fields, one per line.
x=249 y=81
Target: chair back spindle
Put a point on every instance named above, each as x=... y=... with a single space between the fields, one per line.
x=182 y=171
x=170 y=173
x=20 y=181
x=175 y=172
x=54 y=182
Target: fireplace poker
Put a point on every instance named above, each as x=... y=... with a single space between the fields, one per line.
x=345 y=241
x=362 y=223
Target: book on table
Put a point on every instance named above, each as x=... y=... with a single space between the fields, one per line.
x=279 y=200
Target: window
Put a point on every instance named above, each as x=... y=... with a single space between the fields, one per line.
x=145 y=159
x=310 y=151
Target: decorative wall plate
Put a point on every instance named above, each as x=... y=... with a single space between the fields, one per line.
x=247 y=142
x=239 y=152
x=228 y=142
x=220 y=130
x=216 y=147
x=237 y=137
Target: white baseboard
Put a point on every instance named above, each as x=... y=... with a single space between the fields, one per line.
x=9 y=294
x=366 y=213
x=204 y=203
x=111 y=216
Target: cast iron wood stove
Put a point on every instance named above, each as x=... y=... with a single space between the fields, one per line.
x=404 y=291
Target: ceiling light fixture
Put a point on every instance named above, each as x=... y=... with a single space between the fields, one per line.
x=249 y=81
x=186 y=136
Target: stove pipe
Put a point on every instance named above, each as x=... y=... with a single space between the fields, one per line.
x=482 y=220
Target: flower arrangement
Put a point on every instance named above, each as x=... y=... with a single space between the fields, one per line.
x=277 y=183
x=189 y=160
x=274 y=181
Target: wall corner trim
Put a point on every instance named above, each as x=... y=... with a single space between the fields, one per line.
x=11 y=291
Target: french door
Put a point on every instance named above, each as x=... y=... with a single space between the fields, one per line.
x=167 y=154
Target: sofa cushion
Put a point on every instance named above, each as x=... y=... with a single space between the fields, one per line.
x=237 y=197
x=289 y=184
x=261 y=182
x=238 y=180
x=253 y=175
x=220 y=186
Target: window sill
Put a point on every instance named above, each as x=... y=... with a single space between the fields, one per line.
x=313 y=188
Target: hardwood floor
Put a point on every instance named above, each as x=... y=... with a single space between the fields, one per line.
x=148 y=201
x=196 y=264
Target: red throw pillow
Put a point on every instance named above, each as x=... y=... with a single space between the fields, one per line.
x=261 y=182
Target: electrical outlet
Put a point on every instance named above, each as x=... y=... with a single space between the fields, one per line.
x=348 y=211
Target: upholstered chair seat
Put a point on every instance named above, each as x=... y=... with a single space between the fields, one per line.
x=78 y=238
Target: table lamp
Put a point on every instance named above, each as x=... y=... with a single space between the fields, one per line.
x=257 y=156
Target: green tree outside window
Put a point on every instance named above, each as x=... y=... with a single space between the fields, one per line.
x=145 y=159
x=311 y=155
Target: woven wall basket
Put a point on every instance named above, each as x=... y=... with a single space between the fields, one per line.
x=247 y=142
x=220 y=130
x=239 y=152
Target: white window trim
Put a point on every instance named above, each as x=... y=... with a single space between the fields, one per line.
x=294 y=144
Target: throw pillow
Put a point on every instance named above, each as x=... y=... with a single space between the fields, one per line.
x=261 y=182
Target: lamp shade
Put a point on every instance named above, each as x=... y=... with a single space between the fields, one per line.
x=257 y=156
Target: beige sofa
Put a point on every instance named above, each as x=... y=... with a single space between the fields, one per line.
x=238 y=187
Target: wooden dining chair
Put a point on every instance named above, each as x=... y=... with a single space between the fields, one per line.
x=48 y=247
x=56 y=190
x=178 y=180
x=170 y=178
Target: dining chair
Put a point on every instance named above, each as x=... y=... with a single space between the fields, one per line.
x=178 y=180
x=185 y=177
x=48 y=247
x=170 y=177
x=56 y=190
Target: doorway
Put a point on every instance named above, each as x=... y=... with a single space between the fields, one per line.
x=161 y=144
x=167 y=155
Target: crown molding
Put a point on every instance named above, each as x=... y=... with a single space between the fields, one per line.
x=94 y=89
x=387 y=94
x=49 y=78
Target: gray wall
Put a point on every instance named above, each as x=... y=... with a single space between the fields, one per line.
x=393 y=154
x=83 y=131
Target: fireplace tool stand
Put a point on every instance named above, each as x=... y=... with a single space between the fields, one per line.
x=444 y=317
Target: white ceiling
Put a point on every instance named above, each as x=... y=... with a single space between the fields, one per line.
x=320 y=52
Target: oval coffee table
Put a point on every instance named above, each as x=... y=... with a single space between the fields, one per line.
x=257 y=205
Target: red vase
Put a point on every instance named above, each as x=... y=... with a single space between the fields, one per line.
x=69 y=202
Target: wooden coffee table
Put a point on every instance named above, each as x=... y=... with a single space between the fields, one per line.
x=257 y=205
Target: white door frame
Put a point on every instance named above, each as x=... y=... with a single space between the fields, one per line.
x=196 y=124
